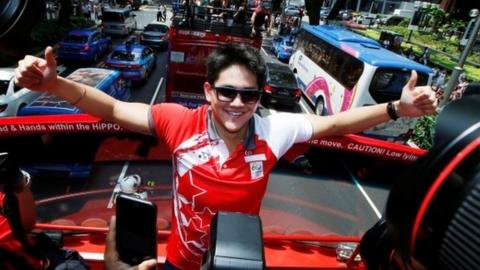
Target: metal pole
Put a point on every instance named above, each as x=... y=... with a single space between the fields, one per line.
x=459 y=68
x=359 y=2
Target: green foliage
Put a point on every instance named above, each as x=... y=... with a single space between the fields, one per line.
x=449 y=46
x=405 y=22
x=424 y=131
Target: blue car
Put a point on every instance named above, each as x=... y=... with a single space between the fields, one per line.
x=283 y=47
x=135 y=61
x=109 y=81
x=83 y=45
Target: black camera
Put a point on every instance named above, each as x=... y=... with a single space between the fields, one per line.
x=432 y=215
x=235 y=243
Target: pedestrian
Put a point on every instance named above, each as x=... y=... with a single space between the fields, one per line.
x=440 y=81
x=258 y=19
x=162 y=13
x=425 y=56
x=223 y=148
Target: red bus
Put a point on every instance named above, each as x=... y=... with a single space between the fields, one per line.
x=192 y=38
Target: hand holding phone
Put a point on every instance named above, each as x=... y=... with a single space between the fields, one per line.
x=136 y=230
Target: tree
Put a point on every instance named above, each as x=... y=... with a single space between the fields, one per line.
x=435 y=17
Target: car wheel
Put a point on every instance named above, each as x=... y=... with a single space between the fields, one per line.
x=320 y=107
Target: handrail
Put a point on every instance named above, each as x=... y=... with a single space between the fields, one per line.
x=166 y=234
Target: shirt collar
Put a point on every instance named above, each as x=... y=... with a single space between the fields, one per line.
x=249 y=143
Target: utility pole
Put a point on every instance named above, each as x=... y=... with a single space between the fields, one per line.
x=452 y=83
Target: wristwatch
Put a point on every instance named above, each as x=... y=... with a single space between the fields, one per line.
x=392 y=112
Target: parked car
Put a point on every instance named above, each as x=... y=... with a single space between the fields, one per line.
x=281 y=86
x=283 y=47
x=109 y=81
x=155 y=34
x=13 y=98
x=83 y=45
x=118 y=21
x=135 y=61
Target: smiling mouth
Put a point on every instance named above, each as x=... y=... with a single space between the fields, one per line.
x=234 y=114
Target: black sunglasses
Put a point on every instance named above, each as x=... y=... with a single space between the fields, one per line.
x=228 y=94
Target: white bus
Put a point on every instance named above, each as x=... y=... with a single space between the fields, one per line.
x=338 y=69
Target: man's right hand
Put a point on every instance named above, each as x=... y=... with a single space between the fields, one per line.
x=36 y=73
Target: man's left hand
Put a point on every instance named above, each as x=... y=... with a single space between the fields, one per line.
x=416 y=101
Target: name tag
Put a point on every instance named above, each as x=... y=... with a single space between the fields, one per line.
x=256 y=165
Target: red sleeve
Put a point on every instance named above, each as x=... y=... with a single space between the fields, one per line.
x=174 y=123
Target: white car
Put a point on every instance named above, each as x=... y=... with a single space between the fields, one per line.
x=12 y=98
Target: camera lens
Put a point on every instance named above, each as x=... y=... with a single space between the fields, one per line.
x=433 y=206
x=17 y=17
x=10 y=12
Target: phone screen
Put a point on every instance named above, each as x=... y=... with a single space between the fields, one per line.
x=136 y=230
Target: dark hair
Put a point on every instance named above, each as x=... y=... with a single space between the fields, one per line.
x=232 y=54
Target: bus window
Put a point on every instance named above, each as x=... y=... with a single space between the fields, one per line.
x=351 y=72
x=387 y=84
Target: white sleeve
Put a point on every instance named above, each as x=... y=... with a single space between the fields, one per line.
x=282 y=130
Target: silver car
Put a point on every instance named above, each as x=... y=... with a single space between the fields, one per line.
x=12 y=98
x=155 y=35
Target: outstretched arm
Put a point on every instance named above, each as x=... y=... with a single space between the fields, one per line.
x=41 y=75
x=414 y=102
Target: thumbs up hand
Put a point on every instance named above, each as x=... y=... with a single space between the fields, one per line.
x=37 y=73
x=416 y=101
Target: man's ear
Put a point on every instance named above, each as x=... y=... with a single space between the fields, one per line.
x=208 y=90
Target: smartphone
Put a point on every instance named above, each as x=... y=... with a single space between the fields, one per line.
x=136 y=229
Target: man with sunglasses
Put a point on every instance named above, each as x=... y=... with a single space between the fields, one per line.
x=222 y=152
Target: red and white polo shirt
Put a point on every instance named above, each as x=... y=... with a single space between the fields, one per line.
x=207 y=179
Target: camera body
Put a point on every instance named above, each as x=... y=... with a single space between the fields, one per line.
x=433 y=204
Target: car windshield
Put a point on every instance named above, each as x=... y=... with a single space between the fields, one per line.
x=112 y=17
x=282 y=76
x=156 y=28
x=125 y=56
x=76 y=39
x=289 y=43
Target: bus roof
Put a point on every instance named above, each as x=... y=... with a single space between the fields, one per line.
x=363 y=48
